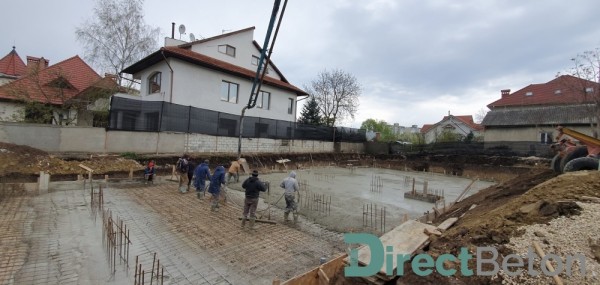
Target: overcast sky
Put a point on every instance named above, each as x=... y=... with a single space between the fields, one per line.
x=416 y=60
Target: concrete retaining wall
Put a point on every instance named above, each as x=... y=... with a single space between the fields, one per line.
x=52 y=138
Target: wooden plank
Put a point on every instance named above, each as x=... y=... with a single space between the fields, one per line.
x=86 y=168
x=549 y=266
x=406 y=238
x=447 y=224
x=430 y=232
x=330 y=268
x=323 y=279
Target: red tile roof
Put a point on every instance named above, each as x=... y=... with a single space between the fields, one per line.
x=465 y=119
x=12 y=64
x=571 y=92
x=426 y=128
x=38 y=86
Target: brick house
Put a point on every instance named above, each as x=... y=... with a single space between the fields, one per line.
x=69 y=92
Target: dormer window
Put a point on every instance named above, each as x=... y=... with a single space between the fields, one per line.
x=529 y=93
x=61 y=83
x=154 y=83
x=227 y=49
x=557 y=92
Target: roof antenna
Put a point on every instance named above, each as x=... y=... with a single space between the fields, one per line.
x=181 y=30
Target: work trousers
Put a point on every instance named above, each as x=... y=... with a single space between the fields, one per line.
x=290 y=203
x=183 y=182
x=250 y=205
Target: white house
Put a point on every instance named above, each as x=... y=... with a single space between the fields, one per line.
x=456 y=126
x=216 y=74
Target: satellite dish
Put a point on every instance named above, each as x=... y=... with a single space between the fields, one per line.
x=181 y=29
x=192 y=37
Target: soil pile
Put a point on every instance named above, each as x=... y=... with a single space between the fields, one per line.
x=504 y=212
x=21 y=161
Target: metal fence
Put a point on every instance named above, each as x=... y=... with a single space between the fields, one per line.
x=153 y=116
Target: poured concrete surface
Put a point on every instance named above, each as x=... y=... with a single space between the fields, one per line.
x=56 y=238
x=350 y=191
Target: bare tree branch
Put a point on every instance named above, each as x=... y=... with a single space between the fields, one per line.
x=337 y=95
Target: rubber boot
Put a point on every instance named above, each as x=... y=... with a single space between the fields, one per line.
x=252 y=221
x=295 y=217
x=244 y=221
x=286 y=216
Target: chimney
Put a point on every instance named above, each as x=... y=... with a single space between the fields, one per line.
x=505 y=92
x=173 y=30
x=111 y=76
x=35 y=64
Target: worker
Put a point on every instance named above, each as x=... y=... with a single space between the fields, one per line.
x=233 y=171
x=149 y=172
x=190 y=172
x=182 y=169
x=216 y=182
x=201 y=174
x=290 y=184
x=253 y=187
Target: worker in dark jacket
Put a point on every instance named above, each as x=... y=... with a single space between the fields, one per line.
x=216 y=181
x=201 y=174
x=253 y=187
x=190 y=172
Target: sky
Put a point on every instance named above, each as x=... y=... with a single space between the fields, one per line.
x=415 y=60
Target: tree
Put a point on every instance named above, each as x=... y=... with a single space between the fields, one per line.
x=480 y=115
x=310 y=113
x=381 y=127
x=336 y=93
x=118 y=36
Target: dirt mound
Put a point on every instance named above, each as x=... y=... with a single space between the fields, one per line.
x=532 y=198
x=24 y=163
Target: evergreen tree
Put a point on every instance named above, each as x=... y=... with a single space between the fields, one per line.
x=310 y=113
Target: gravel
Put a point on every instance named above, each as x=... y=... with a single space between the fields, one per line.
x=562 y=236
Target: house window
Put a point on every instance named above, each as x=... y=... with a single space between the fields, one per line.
x=263 y=100
x=546 y=137
x=255 y=61
x=291 y=106
x=557 y=92
x=229 y=92
x=529 y=93
x=227 y=49
x=154 y=83
x=589 y=90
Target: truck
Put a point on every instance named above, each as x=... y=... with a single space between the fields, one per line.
x=574 y=151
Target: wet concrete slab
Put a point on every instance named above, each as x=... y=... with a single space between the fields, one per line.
x=352 y=189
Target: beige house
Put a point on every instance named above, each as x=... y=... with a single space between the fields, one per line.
x=526 y=120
